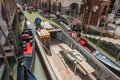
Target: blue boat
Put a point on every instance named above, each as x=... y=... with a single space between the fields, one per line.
x=106 y=60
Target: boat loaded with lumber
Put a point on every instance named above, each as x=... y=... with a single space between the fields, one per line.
x=65 y=59
x=101 y=57
x=60 y=53
x=26 y=57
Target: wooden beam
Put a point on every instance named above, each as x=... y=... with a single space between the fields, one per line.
x=6 y=48
x=8 y=43
x=5 y=60
x=8 y=54
x=15 y=43
x=118 y=56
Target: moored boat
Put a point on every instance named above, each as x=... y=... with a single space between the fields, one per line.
x=26 y=58
x=101 y=57
x=61 y=65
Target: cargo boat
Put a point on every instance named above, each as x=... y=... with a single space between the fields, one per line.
x=59 y=67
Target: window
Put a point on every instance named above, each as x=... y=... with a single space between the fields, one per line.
x=87 y=8
x=104 y=10
x=95 y=8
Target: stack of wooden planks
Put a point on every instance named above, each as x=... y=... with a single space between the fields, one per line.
x=78 y=59
x=65 y=47
x=44 y=36
x=46 y=25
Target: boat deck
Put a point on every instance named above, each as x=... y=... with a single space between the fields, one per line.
x=62 y=68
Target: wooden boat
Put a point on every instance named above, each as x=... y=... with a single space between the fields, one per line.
x=101 y=57
x=60 y=53
x=60 y=61
x=106 y=61
x=26 y=58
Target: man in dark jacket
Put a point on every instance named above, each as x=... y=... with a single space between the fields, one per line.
x=37 y=22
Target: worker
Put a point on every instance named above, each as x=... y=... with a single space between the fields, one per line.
x=37 y=23
x=27 y=24
x=58 y=14
x=74 y=23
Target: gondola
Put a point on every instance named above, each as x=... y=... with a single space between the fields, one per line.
x=102 y=58
x=26 y=57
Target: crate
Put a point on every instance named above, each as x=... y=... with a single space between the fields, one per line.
x=44 y=36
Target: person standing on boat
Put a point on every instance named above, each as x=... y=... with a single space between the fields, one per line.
x=27 y=24
x=74 y=23
x=58 y=14
x=37 y=23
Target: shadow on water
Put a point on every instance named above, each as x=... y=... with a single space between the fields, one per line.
x=37 y=69
x=12 y=63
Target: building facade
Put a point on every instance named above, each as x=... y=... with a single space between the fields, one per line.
x=90 y=11
x=60 y=5
x=94 y=10
x=116 y=7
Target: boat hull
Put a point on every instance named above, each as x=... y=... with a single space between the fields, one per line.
x=106 y=61
x=26 y=58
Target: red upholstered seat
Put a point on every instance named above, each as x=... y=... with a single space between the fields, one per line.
x=28 y=49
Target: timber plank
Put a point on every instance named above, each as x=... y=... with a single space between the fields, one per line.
x=85 y=66
x=7 y=54
x=65 y=47
x=6 y=48
x=52 y=63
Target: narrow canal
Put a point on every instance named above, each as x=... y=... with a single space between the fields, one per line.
x=38 y=69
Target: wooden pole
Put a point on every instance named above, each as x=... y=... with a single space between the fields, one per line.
x=8 y=43
x=15 y=43
x=18 y=24
x=102 y=31
x=114 y=30
x=83 y=18
x=5 y=60
x=88 y=25
x=118 y=56
x=6 y=6
x=10 y=26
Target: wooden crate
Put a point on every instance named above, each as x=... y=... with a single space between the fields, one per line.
x=44 y=36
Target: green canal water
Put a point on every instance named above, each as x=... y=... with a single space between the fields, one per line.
x=38 y=69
